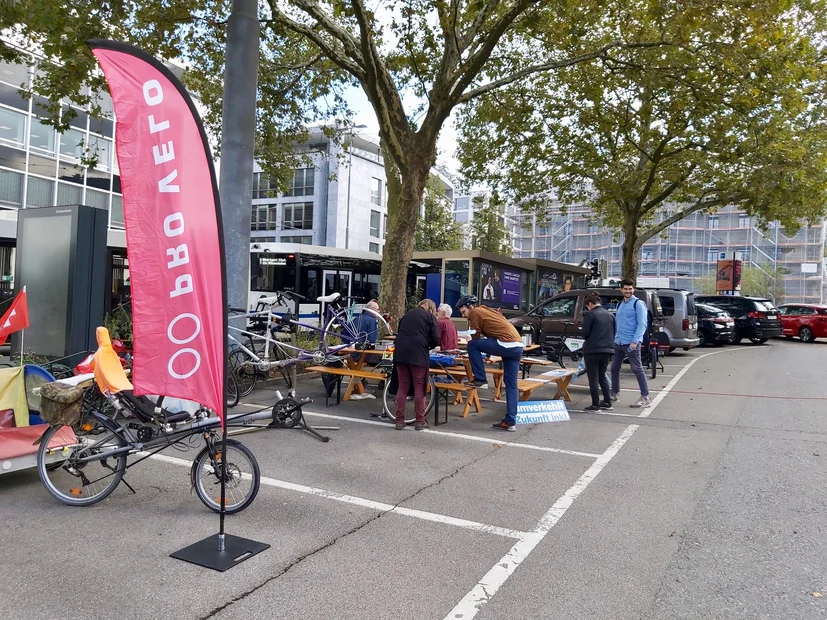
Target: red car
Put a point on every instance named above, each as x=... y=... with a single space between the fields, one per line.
x=807 y=321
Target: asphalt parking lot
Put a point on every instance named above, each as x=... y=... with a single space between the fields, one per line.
x=683 y=510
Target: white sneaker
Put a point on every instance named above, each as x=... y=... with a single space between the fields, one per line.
x=644 y=401
x=361 y=396
x=615 y=397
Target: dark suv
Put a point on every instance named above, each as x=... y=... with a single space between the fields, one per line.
x=756 y=318
x=548 y=320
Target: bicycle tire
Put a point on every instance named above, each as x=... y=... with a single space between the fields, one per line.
x=245 y=372
x=341 y=329
x=46 y=470
x=653 y=362
x=389 y=401
x=202 y=463
x=232 y=388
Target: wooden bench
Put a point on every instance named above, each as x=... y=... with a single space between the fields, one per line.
x=527 y=386
x=355 y=377
x=456 y=389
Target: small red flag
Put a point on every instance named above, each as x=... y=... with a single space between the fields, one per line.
x=16 y=317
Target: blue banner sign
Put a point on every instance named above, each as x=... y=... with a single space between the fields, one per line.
x=537 y=411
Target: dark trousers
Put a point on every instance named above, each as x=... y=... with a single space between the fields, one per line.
x=596 y=365
x=621 y=351
x=407 y=375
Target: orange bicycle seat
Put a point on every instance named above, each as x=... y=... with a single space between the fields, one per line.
x=109 y=373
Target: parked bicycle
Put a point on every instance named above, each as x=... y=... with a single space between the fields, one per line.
x=258 y=349
x=558 y=348
x=82 y=456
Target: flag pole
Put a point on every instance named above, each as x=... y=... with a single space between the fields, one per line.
x=22 y=333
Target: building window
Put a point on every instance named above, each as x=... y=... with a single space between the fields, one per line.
x=116 y=211
x=302 y=183
x=461 y=216
x=71 y=144
x=376 y=192
x=12 y=128
x=96 y=199
x=743 y=221
x=461 y=204
x=11 y=188
x=262 y=187
x=68 y=194
x=375 y=222
x=103 y=149
x=385 y=234
x=712 y=256
x=39 y=192
x=298 y=216
x=374 y=247
x=303 y=240
x=713 y=222
x=264 y=217
x=42 y=136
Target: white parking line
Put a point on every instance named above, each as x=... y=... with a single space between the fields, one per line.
x=493 y=580
x=490 y=440
x=366 y=503
x=669 y=386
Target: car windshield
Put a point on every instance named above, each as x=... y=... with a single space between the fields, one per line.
x=765 y=305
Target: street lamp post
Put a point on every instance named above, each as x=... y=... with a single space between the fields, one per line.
x=349 y=168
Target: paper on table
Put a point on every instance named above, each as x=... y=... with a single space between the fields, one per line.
x=562 y=372
x=537 y=379
x=533 y=359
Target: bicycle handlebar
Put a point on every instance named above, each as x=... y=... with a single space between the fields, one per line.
x=231 y=309
x=294 y=295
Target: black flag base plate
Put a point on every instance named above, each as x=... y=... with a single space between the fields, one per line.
x=205 y=552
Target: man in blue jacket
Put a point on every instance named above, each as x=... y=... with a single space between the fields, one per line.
x=630 y=322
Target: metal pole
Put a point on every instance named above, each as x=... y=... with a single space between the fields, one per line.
x=347 y=216
x=237 y=145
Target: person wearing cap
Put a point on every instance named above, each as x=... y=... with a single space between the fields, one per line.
x=492 y=333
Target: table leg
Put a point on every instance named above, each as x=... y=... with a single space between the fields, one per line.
x=563 y=389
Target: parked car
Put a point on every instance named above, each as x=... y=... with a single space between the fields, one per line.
x=807 y=321
x=548 y=320
x=756 y=318
x=715 y=326
x=680 y=319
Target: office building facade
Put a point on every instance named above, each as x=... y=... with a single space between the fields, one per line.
x=688 y=249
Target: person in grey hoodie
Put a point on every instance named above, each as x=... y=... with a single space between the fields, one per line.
x=599 y=334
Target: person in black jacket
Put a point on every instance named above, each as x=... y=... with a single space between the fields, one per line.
x=599 y=333
x=417 y=334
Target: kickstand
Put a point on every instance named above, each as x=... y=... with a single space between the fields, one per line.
x=129 y=486
x=301 y=423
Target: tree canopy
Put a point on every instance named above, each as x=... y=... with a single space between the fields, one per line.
x=489 y=232
x=436 y=230
x=729 y=112
x=415 y=60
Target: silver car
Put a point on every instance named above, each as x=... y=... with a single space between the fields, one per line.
x=680 y=318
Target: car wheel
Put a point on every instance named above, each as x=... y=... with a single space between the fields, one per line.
x=701 y=339
x=806 y=334
x=758 y=340
x=736 y=336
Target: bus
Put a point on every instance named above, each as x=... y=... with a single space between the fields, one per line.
x=314 y=271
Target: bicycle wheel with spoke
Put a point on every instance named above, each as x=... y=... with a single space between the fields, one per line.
x=340 y=331
x=75 y=469
x=242 y=477
x=232 y=387
x=653 y=362
x=389 y=401
x=245 y=372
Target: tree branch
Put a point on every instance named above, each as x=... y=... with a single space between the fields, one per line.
x=381 y=91
x=667 y=191
x=518 y=75
x=644 y=236
x=335 y=56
